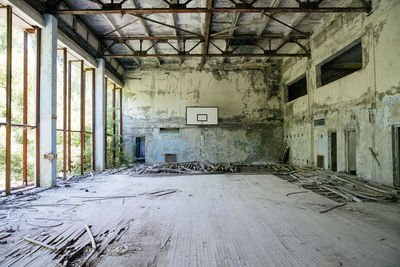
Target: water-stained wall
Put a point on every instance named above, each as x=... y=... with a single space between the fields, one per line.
x=367 y=101
x=250 y=120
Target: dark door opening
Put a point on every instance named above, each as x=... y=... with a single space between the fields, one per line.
x=333 y=152
x=351 y=142
x=396 y=155
x=139 y=145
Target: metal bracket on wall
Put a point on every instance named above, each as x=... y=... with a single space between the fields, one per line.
x=50 y=156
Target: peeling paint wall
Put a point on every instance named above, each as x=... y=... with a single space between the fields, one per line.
x=367 y=101
x=250 y=120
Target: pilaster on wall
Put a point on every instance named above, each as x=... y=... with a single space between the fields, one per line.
x=99 y=116
x=48 y=103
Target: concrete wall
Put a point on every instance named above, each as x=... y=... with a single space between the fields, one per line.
x=250 y=127
x=367 y=101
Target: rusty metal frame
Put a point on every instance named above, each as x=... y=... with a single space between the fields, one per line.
x=93 y=118
x=24 y=125
x=140 y=11
x=120 y=123
x=8 y=100
x=206 y=45
x=38 y=66
x=105 y=118
x=267 y=53
x=83 y=95
x=25 y=113
x=114 y=125
x=237 y=7
x=69 y=113
x=187 y=38
x=65 y=96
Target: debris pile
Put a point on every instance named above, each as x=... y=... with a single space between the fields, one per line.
x=184 y=167
x=74 y=244
x=339 y=187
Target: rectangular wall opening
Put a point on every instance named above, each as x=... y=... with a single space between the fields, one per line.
x=139 y=144
x=170 y=157
x=319 y=122
x=333 y=152
x=342 y=65
x=169 y=130
x=320 y=161
x=297 y=89
x=351 y=151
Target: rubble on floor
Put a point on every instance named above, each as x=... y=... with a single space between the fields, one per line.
x=339 y=187
x=184 y=168
x=70 y=243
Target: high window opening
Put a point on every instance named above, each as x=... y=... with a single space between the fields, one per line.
x=114 y=152
x=18 y=105
x=342 y=65
x=297 y=89
x=75 y=121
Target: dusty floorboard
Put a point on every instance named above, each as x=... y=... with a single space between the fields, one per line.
x=225 y=220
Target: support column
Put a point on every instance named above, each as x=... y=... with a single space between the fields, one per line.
x=99 y=130
x=48 y=103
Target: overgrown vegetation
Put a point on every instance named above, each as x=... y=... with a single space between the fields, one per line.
x=17 y=112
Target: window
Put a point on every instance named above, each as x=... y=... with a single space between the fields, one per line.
x=319 y=122
x=342 y=65
x=297 y=89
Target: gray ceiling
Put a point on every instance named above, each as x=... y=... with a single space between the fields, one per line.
x=253 y=24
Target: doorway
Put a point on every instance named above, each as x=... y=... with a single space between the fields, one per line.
x=333 y=152
x=396 y=155
x=351 y=151
x=139 y=144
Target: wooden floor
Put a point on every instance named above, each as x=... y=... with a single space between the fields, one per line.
x=247 y=220
x=235 y=220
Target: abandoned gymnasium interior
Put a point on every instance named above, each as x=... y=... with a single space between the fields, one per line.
x=199 y=133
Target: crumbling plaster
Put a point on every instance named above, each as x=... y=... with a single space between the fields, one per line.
x=250 y=120
x=367 y=101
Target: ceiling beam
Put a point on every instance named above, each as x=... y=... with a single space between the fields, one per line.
x=147 y=32
x=140 y=11
x=263 y=25
x=231 y=32
x=287 y=33
x=218 y=37
x=206 y=44
x=267 y=54
x=114 y=27
x=173 y=20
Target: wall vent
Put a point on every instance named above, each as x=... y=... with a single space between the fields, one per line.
x=319 y=122
x=169 y=130
x=170 y=157
x=320 y=161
